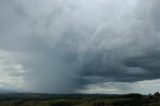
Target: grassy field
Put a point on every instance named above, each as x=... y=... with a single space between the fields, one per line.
x=78 y=100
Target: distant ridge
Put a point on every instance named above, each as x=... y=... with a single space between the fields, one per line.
x=4 y=91
x=14 y=95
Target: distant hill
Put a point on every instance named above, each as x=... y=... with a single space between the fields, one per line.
x=43 y=99
x=4 y=91
x=14 y=95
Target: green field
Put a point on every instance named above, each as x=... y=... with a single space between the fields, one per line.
x=78 y=100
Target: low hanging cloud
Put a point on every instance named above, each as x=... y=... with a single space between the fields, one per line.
x=69 y=45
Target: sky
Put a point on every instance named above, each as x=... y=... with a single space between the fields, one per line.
x=80 y=46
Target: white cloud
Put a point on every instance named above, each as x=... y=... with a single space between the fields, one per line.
x=11 y=73
x=143 y=87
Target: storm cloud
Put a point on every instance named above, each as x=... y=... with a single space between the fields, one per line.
x=65 y=46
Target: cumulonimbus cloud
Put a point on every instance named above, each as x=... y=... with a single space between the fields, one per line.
x=68 y=45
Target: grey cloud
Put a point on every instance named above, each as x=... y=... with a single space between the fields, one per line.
x=68 y=45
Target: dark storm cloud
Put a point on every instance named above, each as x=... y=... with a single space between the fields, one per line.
x=128 y=69
x=148 y=62
x=67 y=45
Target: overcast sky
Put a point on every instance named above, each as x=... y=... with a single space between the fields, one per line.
x=80 y=46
